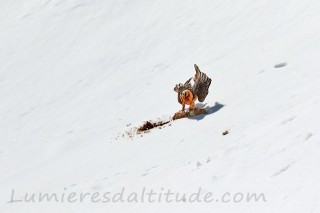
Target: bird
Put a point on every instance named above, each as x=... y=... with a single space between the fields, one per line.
x=188 y=94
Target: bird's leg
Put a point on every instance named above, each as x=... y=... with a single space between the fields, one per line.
x=191 y=106
x=193 y=103
x=183 y=107
x=182 y=98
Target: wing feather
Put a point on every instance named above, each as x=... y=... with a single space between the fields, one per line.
x=201 y=84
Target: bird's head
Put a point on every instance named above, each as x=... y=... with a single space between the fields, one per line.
x=177 y=87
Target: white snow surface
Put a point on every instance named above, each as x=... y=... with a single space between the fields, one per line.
x=75 y=74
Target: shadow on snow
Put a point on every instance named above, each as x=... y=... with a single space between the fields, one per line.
x=210 y=110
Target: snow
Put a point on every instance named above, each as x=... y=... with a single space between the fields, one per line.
x=74 y=74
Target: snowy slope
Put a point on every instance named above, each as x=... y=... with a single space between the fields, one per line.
x=74 y=74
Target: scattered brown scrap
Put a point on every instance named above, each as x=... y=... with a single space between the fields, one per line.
x=150 y=125
x=194 y=112
x=225 y=132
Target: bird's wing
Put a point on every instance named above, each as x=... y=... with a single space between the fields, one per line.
x=201 y=84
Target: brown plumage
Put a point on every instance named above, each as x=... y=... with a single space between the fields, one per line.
x=188 y=94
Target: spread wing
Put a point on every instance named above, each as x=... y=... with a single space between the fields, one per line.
x=201 y=84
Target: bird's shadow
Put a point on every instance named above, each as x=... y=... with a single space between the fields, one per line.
x=210 y=110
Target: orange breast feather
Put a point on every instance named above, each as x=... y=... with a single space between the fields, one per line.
x=187 y=98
